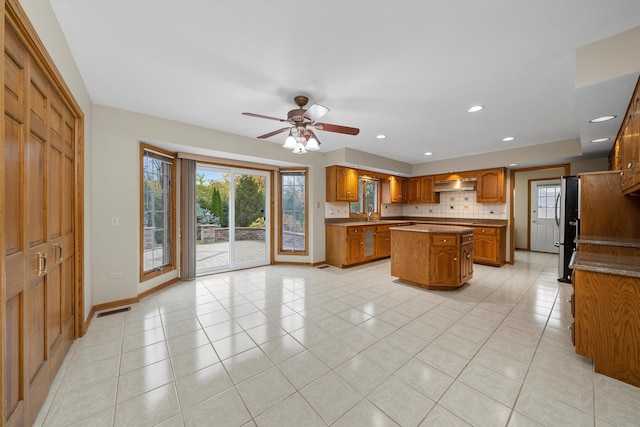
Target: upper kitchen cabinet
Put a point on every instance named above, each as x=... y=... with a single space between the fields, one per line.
x=398 y=189
x=342 y=184
x=492 y=186
x=625 y=154
x=420 y=190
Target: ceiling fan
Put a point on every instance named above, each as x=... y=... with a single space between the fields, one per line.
x=302 y=139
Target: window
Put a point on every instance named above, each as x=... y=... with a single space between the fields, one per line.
x=367 y=197
x=293 y=212
x=547 y=200
x=157 y=209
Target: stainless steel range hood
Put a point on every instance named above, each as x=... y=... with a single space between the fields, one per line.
x=464 y=184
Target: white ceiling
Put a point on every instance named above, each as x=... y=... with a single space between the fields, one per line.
x=405 y=68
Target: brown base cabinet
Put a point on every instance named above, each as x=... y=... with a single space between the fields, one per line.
x=489 y=245
x=607 y=309
x=432 y=257
x=350 y=245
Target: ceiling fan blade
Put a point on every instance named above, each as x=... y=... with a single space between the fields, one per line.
x=275 y=132
x=315 y=112
x=337 y=128
x=260 y=116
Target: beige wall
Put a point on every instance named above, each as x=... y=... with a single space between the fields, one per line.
x=46 y=25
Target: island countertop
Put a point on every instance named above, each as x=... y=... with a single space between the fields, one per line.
x=434 y=228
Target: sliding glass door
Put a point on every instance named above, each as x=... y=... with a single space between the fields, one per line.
x=232 y=219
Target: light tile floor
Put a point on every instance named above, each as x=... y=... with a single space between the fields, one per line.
x=305 y=346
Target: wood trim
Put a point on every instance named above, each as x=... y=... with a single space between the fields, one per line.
x=173 y=223
x=512 y=193
x=226 y=162
x=158 y=288
x=2 y=261
x=280 y=217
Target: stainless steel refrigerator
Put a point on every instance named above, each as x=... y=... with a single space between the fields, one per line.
x=567 y=218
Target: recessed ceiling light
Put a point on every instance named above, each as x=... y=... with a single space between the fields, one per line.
x=381 y=136
x=475 y=108
x=600 y=139
x=428 y=153
x=508 y=138
x=512 y=164
x=602 y=119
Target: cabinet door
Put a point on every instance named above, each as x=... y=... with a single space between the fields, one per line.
x=445 y=265
x=491 y=186
x=427 y=194
x=466 y=262
x=413 y=190
x=368 y=243
x=485 y=248
x=398 y=187
x=342 y=180
x=352 y=185
x=383 y=244
x=354 y=248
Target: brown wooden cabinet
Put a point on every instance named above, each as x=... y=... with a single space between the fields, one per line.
x=398 y=189
x=489 y=245
x=607 y=326
x=625 y=154
x=342 y=184
x=382 y=241
x=420 y=190
x=466 y=258
x=432 y=256
x=492 y=186
x=349 y=245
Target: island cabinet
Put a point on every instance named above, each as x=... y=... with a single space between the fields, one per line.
x=492 y=185
x=489 y=245
x=342 y=184
x=354 y=244
x=432 y=256
x=420 y=190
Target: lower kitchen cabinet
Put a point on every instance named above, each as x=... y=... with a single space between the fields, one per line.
x=607 y=323
x=349 y=245
x=432 y=256
x=489 y=245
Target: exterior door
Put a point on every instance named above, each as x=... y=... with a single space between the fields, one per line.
x=232 y=218
x=544 y=229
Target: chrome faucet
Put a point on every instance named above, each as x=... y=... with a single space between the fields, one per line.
x=369 y=212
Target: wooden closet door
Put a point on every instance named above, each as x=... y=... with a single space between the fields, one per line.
x=15 y=248
x=39 y=233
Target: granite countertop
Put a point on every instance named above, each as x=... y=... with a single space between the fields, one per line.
x=609 y=241
x=628 y=266
x=472 y=222
x=434 y=228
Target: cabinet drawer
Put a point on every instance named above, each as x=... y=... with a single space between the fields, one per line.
x=382 y=228
x=444 y=239
x=354 y=230
x=485 y=230
x=467 y=238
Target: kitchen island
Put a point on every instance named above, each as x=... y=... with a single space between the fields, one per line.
x=432 y=256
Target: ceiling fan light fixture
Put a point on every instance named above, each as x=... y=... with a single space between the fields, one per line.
x=299 y=149
x=312 y=144
x=290 y=142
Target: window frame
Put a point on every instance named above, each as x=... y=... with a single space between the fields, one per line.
x=172 y=265
x=377 y=205
x=281 y=250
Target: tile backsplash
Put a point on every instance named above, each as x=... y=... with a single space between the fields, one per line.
x=453 y=204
